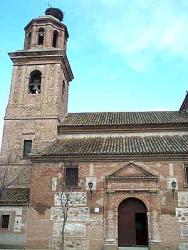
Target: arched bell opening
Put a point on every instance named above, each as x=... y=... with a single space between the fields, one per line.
x=132 y=223
x=35 y=82
x=55 y=39
x=40 y=36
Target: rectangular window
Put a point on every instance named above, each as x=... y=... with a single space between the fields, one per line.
x=4 y=221
x=71 y=176
x=27 y=148
x=186 y=175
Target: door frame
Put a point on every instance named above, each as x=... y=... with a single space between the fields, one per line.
x=145 y=211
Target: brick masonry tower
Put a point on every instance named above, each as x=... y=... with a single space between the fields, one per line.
x=39 y=88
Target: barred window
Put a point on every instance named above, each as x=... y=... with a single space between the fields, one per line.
x=71 y=175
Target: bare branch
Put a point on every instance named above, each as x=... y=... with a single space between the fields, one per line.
x=10 y=177
x=65 y=194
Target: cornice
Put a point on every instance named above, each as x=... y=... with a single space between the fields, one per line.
x=110 y=158
x=36 y=53
x=43 y=56
x=122 y=128
x=118 y=178
x=45 y=20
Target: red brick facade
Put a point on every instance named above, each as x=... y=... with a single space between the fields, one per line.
x=124 y=156
x=131 y=181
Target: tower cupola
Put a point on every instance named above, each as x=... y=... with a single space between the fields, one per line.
x=46 y=32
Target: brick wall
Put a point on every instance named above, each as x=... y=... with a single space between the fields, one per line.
x=90 y=215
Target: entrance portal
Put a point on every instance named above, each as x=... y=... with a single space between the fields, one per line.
x=132 y=223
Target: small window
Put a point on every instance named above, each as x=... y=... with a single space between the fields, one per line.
x=27 y=148
x=63 y=90
x=186 y=175
x=71 y=176
x=41 y=36
x=55 y=37
x=4 y=221
x=35 y=82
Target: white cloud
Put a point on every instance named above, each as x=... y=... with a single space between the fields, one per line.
x=140 y=30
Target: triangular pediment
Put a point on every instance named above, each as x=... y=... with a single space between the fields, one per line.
x=132 y=170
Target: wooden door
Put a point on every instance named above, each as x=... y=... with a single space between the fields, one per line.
x=141 y=229
x=132 y=223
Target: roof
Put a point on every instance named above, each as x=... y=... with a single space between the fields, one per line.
x=15 y=196
x=124 y=118
x=95 y=146
x=184 y=105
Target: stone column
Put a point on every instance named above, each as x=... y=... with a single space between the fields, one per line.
x=48 y=37
x=34 y=37
x=156 y=243
x=155 y=235
x=109 y=224
x=110 y=242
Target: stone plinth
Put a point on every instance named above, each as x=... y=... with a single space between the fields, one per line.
x=156 y=246
x=110 y=244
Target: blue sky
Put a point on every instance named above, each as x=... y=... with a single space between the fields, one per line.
x=125 y=55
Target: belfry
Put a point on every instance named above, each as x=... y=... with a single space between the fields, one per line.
x=40 y=82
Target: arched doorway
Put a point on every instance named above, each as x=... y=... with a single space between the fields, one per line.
x=132 y=223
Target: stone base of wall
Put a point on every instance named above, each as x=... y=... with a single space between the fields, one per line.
x=183 y=246
x=110 y=247
x=156 y=246
x=11 y=240
x=110 y=244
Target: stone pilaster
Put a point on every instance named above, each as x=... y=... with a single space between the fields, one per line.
x=155 y=243
x=110 y=242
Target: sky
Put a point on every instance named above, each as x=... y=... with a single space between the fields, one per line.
x=125 y=55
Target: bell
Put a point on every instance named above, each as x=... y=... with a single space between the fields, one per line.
x=36 y=88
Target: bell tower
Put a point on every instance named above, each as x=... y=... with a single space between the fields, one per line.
x=39 y=88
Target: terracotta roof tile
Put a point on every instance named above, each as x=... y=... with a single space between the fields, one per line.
x=123 y=118
x=118 y=146
x=15 y=196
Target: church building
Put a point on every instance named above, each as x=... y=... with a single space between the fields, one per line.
x=125 y=173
